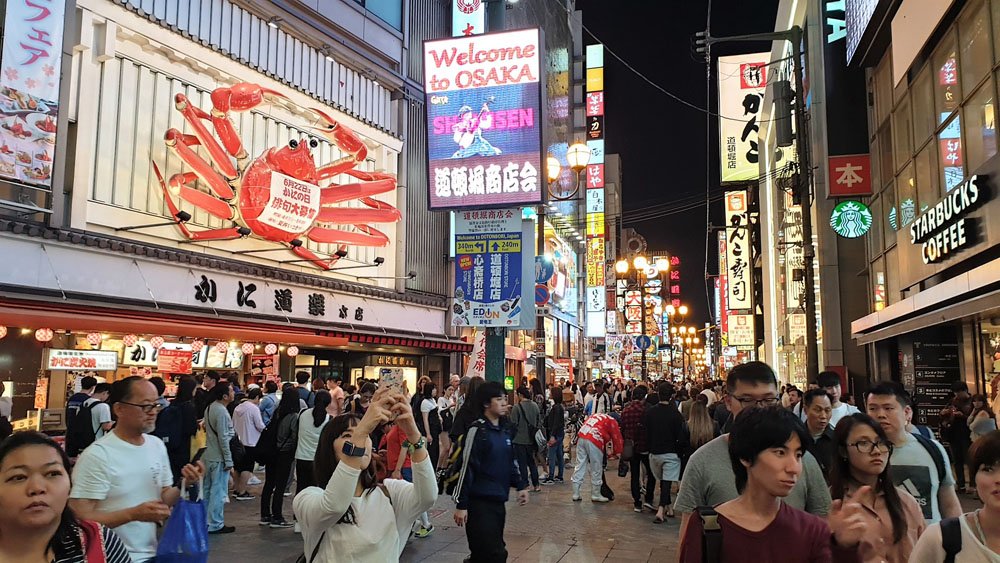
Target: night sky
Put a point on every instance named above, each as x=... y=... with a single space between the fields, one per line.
x=661 y=141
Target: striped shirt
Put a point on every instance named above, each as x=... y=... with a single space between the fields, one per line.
x=72 y=548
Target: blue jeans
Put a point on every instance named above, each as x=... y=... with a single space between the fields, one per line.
x=556 y=459
x=216 y=491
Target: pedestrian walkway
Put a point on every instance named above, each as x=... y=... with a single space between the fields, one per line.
x=550 y=528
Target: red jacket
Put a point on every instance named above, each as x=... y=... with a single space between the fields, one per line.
x=599 y=428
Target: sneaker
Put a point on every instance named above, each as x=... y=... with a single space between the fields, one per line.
x=649 y=506
x=424 y=532
x=558 y=479
x=599 y=498
x=280 y=522
x=254 y=481
x=576 y=492
x=548 y=481
x=264 y=521
x=223 y=530
x=637 y=507
x=298 y=528
x=243 y=496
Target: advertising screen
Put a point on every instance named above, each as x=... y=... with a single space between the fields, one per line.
x=484 y=120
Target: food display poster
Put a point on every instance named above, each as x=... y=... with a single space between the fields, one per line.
x=487 y=268
x=29 y=90
x=264 y=365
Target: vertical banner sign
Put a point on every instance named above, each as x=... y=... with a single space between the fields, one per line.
x=794 y=255
x=487 y=268
x=468 y=17
x=739 y=265
x=477 y=360
x=596 y=237
x=723 y=292
x=29 y=89
x=742 y=81
x=484 y=120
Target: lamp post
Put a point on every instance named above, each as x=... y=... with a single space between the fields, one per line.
x=638 y=274
x=673 y=313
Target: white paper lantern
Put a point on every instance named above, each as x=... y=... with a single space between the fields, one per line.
x=271 y=349
x=293 y=351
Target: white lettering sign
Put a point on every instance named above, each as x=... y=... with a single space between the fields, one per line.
x=292 y=206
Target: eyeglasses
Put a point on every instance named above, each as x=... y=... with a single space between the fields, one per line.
x=750 y=401
x=869 y=447
x=145 y=408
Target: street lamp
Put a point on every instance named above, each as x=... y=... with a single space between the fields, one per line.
x=638 y=274
x=578 y=157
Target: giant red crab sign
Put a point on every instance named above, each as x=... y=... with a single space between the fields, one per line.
x=277 y=196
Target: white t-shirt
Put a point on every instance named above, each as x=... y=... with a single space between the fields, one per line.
x=308 y=436
x=840 y=412
x=427 y=405
x=929 y=548
x=913 y=469
x=6 y=406
x=100 y=414
x=121 y=475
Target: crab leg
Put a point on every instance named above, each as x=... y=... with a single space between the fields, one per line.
x=305 y=253
x=177 y=141
x=238 y=97
x=366 y=236
x=211 y=234
x=344 y=192
x=194 y=116
x=178 y=186
x=347 y=215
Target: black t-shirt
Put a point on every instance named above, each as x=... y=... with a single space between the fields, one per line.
x=665 y=429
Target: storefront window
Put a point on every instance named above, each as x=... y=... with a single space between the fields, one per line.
x=947 y=88
x=892 y=277
x=902 y=132
x=974 y=37
x=389 y=11
x=907 y=192
x=928 y=185
x=889 y=218
x=980 y=123
x=924 y=121
x=878 y=285
x=883 y=89
x=885 y=155
x=875 y=235
x=950 y=154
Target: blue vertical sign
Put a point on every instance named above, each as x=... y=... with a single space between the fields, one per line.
x=487 y=268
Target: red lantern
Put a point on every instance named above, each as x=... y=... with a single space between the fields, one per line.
x=156 y=342
x=3 y=331
x=94 y=339
x=197 y=345
x=247 y=348
x=271 y=349
x=293 y=351
x=222 y=347
x=129 y=340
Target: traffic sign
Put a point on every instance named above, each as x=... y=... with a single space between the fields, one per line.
x=642 y=341
x=541 y=294
x=544 y=268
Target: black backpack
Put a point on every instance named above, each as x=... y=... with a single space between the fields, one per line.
x=935 y=453
x=951 y=538
x=79 y=429
x=711 y=535
x=170 y=428
x=267 y=445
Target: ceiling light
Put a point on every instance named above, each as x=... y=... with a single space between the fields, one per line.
x=327 y=52
x=273 y=22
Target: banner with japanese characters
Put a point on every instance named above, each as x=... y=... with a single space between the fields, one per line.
x=739 y=264
x=596 y=238
x=742 y=81
x=487 y=268
x=29 y=90
x=484 y=120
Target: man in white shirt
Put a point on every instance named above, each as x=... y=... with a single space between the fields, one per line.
x=6 y=405
x=100 y=411
x=249 y=423
x=124 y=480
x=830 y=381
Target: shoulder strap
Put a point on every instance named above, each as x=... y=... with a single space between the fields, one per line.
x=316 y=549
x=935 y=453
x=951 y=538
x=711 y=535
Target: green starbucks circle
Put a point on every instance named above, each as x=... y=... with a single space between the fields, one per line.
x=851 y=219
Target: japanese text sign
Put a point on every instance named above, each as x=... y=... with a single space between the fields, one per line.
x=174 y=361
x=739 y=263
x=595 y=104
x=849 y=175
x=741 y=331
x=96 y=360
x=484 y=129
x=468 y=17
x=29 y=89
x=487 y=268
x=742 y=81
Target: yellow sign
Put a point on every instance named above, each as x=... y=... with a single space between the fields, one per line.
x=595 y=224
x=470 y=247
x=595 y=79
x=503 y=245
x=595 y=262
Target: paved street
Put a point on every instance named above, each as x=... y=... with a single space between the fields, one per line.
x=551 y=528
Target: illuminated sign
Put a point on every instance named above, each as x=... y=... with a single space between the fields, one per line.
x=742 y=81
x=94 y=360
x=484 y=120
x=596 y=256
x=849 y=175
x=468 y=17
x=942 y=229
x=739 y=269
x=487 y=268
x=742 y=332
x=851 y=219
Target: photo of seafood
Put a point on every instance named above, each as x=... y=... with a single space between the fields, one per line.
x=27 y=137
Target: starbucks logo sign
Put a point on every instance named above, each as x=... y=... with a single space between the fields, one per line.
x=851 y=219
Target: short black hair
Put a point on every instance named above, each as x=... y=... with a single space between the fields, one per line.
x=959 y=386
x=302 y=377
x=270 y=387
x=102 y=388
x=213 y=375
x=524 y=392
x=894 y=389
x=760 y=429
x=754 y=373
x=665 y=390
x=811 y=394
x=157 y=382
x=828 y=379
x=486 y=393
x=985 y=451
x=220 y=390
x=88 y=382
x=639 y=393
x=794 y=389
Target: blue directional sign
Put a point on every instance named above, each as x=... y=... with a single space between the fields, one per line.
x=643 y=342
x=487 y=268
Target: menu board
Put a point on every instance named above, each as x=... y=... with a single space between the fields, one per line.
x=935 y=368
x=264 y=365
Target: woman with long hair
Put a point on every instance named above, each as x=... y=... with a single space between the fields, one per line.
x=468 y=413
x=180 y=452
x=277 y=471
x=311 y=424
x=446 y=404
x=36 y=524
x=982 y=421
x=555 y=431
x=894 y=520
x=345 y=518
x=700 y=426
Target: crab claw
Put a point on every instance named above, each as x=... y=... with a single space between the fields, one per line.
x=345 y=139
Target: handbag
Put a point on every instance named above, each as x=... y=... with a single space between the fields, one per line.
x=185 y=536
x=628 y=449
x=198 y=441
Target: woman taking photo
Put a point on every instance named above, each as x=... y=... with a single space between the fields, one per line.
x=348 y=519
x=36 y=525
x=982 y=421
x=278 y=470
x=893 y=519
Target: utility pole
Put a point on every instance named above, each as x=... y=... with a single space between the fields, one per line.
x=803 y=183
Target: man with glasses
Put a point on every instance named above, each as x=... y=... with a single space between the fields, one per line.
x=124 y=480
x=709 y=479
x=919 y=464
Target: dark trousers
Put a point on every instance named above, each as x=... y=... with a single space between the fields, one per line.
x=960 y=458
x=304 y=477
x=276 y=474
x=642 y=460
x=525 y=456
x=179 y=458
x=484 y=531
x=664 y=492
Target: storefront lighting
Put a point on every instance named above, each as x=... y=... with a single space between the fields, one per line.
x=247 y=348
x=293 y=351
x=94 y=339
x=25 y=331
x=271 y=349
x=621 y=267
x=44 y=334
x=683 y=310
x=553 y=167
x=281 y=348
x=273 y=22
x=156 y=342
x=222 y=347
x=578 y=156
x=696 y=340
x=640 y=262
x=129 y=340
x=3 y=331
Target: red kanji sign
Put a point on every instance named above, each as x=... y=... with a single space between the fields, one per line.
x=849 y=175
x=595 y=103
x=595 y=176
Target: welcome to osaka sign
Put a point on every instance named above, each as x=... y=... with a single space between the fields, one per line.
x=484 y=120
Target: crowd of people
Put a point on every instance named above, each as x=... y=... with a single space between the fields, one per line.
x=762 y=472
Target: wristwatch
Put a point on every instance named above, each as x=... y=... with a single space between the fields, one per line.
x=413 y=447
x=354 y=451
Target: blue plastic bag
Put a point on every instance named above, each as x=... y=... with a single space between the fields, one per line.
x=185 y=537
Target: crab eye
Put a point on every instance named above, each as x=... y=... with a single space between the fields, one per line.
x=293 y=144
x=313 y=143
